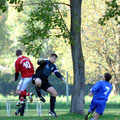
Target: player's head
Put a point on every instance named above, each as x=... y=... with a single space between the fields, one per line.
x=107 y=77
x=18 y=52
x=53 y=58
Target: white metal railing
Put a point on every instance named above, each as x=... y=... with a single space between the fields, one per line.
x=38 y=107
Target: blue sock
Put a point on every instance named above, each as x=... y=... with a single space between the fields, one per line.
x=92 y=119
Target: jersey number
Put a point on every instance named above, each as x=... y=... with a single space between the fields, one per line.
x=107 y=90
x=27 y=64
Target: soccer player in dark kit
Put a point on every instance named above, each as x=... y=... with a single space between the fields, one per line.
x=40 y=80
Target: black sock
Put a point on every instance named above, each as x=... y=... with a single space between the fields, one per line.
x=52 y=103
x=22 y=110
x=19 y=110
x=38 y=90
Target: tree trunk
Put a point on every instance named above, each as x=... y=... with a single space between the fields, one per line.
x=114 y=89
x=77 y=103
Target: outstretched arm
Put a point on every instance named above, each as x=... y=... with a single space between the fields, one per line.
x=58 y=74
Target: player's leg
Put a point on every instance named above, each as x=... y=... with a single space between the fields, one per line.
x=18 y=92
x=38 y=82
x=21 y=89
x=18 y=111
x=89 y=113
x=91 y=109
x=101 y=104
x=53 y=93
x=96 y=116
x=22 y=110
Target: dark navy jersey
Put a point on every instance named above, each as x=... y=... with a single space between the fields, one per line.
x=101 y=90
x=46 y=68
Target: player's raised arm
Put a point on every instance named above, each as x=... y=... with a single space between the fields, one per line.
x=41 y=62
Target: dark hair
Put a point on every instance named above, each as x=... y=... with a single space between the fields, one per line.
x=53 y=54
x=18 y=52
x=107 y=76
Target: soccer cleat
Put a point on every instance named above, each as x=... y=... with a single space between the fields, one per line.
x=53 y=113
x=30 y=97
x=42 y=99
x=88 y=115
x=16 y=113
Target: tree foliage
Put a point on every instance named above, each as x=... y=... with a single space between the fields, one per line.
x=100 y=43
x=112 y=11
x=44 y=22
x=18 y=4
x=3 y=34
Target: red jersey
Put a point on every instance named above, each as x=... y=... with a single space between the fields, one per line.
x=24 y=65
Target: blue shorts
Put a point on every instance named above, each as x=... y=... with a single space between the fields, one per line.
x=98 y=106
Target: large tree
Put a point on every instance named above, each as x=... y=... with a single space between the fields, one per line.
x=77 y=105
x=47 y=21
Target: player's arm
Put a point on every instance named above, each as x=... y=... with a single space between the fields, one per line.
x=16 y=71
x=16 y=76
x=94 y=88
x=41 y=62
x=58 y=74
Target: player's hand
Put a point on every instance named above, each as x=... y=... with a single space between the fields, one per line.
x=13 y=80
x=90 y=94
x=63 y=79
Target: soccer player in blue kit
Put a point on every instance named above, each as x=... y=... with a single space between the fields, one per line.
x=100 y=92
x=40 y=80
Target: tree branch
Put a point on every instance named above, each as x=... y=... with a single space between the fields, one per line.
x=100 y=65
x=64 y=4
x=62 y=19
x=39 y=3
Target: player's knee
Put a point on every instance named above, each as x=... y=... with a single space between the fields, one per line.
x=54 y=94
x=38 y=82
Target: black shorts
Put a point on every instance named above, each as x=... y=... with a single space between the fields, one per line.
x=45 y=84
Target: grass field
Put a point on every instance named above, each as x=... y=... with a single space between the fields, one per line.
x=112 y=111
x=110 y=114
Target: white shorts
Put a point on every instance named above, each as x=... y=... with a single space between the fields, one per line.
x=24 y=82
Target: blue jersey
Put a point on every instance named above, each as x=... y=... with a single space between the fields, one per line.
x=101 y=90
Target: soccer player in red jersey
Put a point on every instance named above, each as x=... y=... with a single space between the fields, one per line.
x=25 y=67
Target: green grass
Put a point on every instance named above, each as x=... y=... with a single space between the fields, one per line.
x=112 y=111
x=63 y=114
x=109 y=115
